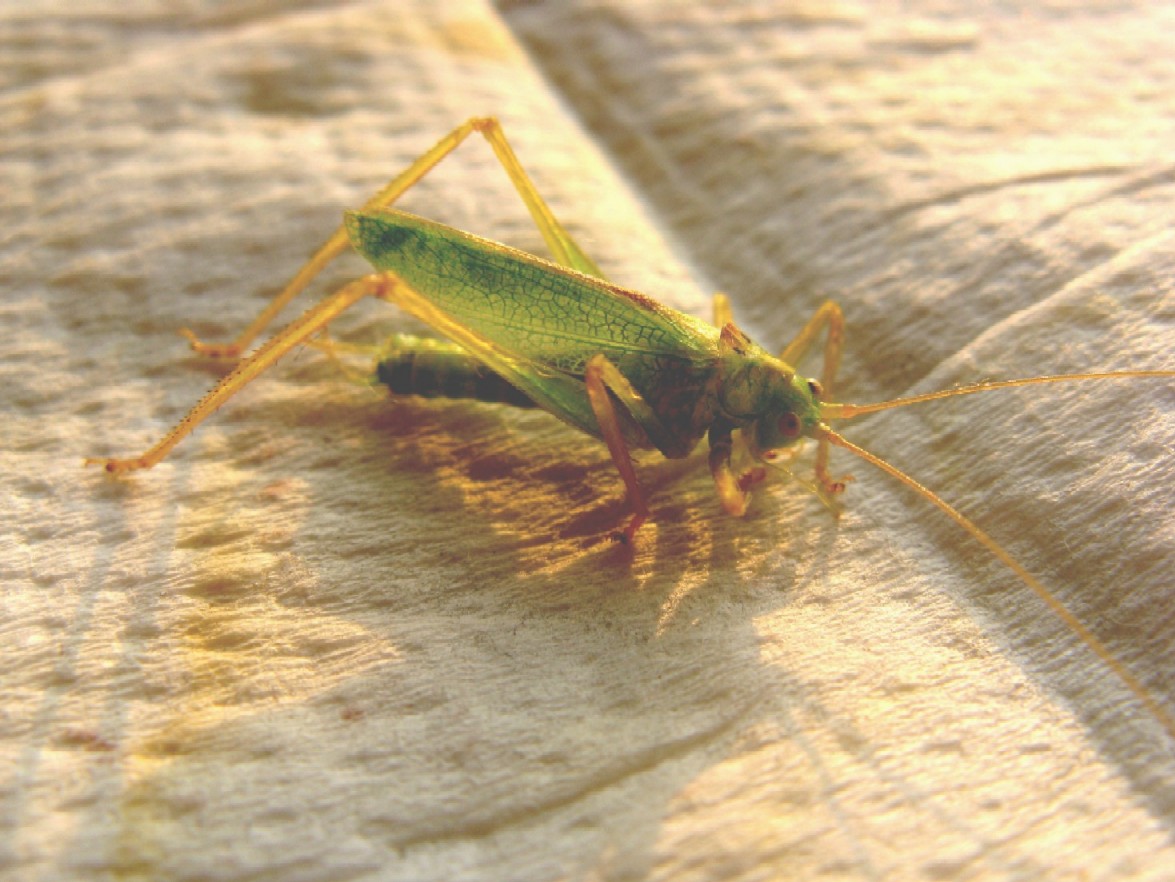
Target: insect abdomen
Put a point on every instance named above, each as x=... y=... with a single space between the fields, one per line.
x=438 y=369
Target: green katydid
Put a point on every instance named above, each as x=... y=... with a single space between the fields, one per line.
x=608 y=361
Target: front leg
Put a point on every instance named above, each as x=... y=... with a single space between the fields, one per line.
x=733 y=491
x=830 y=319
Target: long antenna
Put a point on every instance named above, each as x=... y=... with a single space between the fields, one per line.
x=1050 y=600
x=833 y=411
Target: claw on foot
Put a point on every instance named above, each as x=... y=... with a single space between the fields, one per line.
x=213 y=350
x=835 y=488
x=751 y=477
x=113 y=466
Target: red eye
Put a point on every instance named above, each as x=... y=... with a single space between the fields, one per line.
x=789 y=425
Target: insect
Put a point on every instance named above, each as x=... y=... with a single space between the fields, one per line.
x=606 y=360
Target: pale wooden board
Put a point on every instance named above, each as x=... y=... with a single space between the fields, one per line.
x=339 y=637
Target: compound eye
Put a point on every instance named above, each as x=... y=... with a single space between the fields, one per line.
x=789 y=425
x=816 y=389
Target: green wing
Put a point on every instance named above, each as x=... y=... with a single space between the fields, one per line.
x=537 y=323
